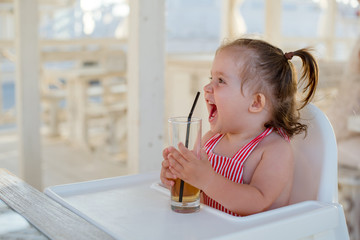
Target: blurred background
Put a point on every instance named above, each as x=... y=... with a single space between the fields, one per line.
x=83 y=81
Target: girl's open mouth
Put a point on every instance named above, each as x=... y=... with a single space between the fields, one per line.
x=213 y=111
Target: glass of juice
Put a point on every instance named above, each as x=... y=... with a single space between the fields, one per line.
x=185 y=198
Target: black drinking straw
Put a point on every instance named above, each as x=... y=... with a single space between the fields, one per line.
x=187 y=141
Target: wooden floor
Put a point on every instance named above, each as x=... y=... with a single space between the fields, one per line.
x=62 y=163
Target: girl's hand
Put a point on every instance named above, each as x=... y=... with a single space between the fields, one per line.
x=166 y=177
x=184 y=164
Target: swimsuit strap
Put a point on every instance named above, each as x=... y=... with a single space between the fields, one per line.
x=245 y=151
x=282 y=133
x=242 y=155
x=211 y=143
x=231 y=168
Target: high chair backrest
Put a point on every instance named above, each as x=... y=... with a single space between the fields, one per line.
x=315 y=156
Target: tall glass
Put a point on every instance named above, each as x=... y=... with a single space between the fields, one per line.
x=185 y=198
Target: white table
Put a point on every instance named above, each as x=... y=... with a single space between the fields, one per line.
x=137 y=207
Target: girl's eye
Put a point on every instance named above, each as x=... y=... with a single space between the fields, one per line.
x=219 y=80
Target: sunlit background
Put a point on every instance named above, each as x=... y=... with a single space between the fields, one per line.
x=87 y=40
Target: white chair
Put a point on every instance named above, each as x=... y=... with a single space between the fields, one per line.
x=315 y=159
x=314 y=212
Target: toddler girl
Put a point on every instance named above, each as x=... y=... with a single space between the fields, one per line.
x=246 y=165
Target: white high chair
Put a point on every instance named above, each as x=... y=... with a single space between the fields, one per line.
x=314 y=212
x=315 y=159
x=127 y=207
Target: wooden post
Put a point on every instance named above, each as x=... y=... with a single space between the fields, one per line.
x=327 y=27
x=232 y=23
x=330 y=28
x=273 y=12
x=2 y=36
x=146 y=61
x=27 y=90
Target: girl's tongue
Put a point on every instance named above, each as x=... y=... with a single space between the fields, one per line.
x=213 y=112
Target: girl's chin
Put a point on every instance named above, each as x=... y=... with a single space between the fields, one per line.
x=213 y=126
x=211 y=121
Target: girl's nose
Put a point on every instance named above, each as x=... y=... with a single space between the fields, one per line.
x=208 y=88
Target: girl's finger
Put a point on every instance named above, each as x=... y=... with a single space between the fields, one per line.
x=165 y=153
x=175 y=154
x=175 y=167
x=163 y=178
x=168 y=182
x=186 y=152
x=169 y=175
x=175 y=173
x=174 y=162
x=165 y=163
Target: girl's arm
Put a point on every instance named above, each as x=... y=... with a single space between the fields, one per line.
x=270 y=178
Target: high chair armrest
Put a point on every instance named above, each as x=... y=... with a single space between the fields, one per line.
x=305 y=220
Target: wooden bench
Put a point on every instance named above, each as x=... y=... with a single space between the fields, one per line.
x=48 y=216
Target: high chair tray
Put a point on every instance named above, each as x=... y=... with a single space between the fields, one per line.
x=138 y=207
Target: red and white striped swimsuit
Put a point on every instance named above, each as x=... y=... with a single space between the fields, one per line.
x=232 y=168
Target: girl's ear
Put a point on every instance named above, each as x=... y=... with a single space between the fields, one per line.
x=258 y=103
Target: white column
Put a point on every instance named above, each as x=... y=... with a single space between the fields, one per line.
x=232 y=22
x=27 y=90
x=273 y=12
x=327 y=26
x=2 y=36
x=146 y=61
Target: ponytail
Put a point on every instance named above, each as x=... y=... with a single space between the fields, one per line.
x=310 y=72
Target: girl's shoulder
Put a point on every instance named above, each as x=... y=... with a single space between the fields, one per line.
x=277 y=145
x=277 y=138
